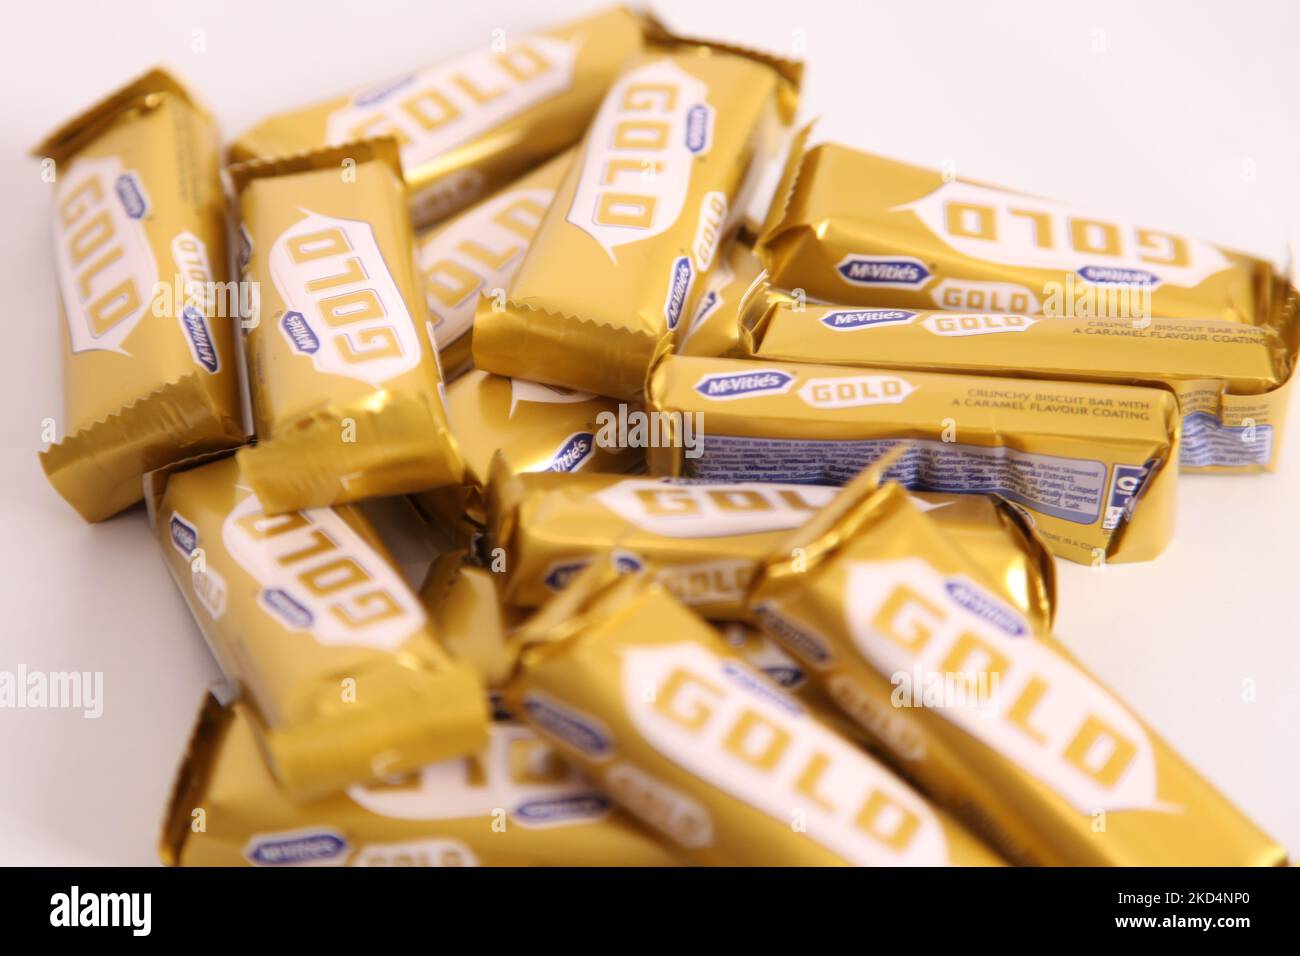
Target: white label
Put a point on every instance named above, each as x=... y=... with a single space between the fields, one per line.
x=190 y=254
x=320 y=576
x=343 y=307
x=956 y=324
x=476 y=254
x=106 y=266
x=517 y=771
x=709 y=229
x=1048 y=718
x=1012 y=229
x=636 y=170
x=1207 y=441
x=707 y=582
x=684 y=510
x=522 y=390
x=1072 y=489
x=720 y=720
x=211 y=590
x=439 y=851
x=448 y=105
x=855 y=391
x=661 y=805
x=976 y=296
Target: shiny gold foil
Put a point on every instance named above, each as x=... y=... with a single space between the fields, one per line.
x=149 y=373
x=512 y=803
x=622 y=257
x=765 y=654
x=988 y=717
x=475 y=254
x=921 y=239
x=474 y=123
x=715 y=330
x=345 y=383
x=702 y=541
x=1090 y=462
x=1001 y=538
x=1229 y=377
x=472 y=623
x=659 y=712
x=534 y=427
x=344 y=678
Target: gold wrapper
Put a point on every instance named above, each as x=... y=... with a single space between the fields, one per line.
x=703 y=541
x=921 y=239
x=475 y=255
x=1000 y=537
x=474 y=123
x=765 y=654
x=347 y=394
x=472 y=623
x=534 y=427
x=1230 y=378
x=512 y=803
x=1090 y=462
x=621 y=257
x=714 y=330
x=659 y=712
x=305 y=611
x=149 y=373
x=989 y=718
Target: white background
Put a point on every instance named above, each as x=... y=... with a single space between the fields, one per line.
x=1178 y=115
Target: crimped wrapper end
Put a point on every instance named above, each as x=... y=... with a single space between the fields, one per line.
x=70 y=137
x=100 y=469
x=777 y=212
x=398 y=446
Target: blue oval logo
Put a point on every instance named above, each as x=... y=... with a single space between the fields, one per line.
x=184 y=535
x=196 y=327
x=280 y=603
x=573 y=454
x=787 y=675
x=679 y=287
x=852 y=320
x=131 y=194
x=727 y=385
x=889 y=272
x=581 y=806
x=578 y=731
x=301 y=337
x=296 y=849
x=986 y=608
x=1109 y=275
x=802 y=642
x=743 y=677
x=699 y=123
x=558 y=578
x=625 y=563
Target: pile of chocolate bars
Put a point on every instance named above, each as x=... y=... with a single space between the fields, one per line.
x=746 y=463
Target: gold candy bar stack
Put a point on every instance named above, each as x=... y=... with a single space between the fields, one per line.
x=632 y=483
